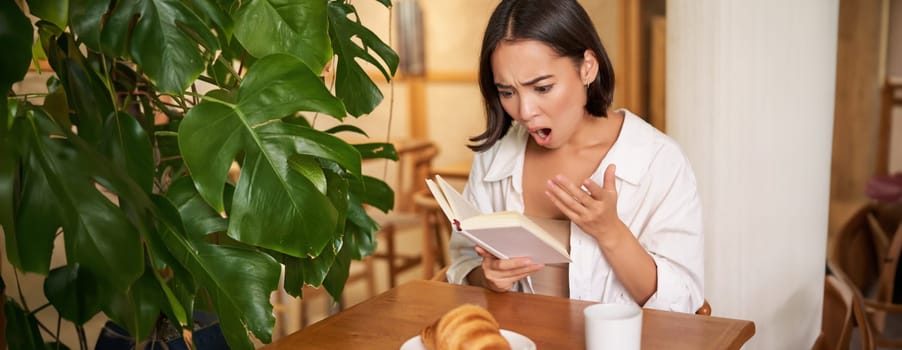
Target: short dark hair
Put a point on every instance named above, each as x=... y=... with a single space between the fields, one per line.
x=564 y=26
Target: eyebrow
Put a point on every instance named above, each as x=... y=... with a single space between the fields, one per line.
x=528 y=83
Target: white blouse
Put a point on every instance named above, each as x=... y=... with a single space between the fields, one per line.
x=657 y=200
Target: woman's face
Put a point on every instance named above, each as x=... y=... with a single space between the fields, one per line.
x=542 y=90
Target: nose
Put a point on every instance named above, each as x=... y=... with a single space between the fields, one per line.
x=527 y=108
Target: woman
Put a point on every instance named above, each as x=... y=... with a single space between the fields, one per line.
x=623 y=192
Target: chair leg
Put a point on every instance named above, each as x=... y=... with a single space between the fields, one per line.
x=390 y=249
x=370 y=276
x=429 y=250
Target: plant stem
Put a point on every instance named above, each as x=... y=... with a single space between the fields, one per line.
x=108 y=82
x=82 y=339
x=213 y=99
x=391 y=101
x=40 y=308
x=19 y=288
x=47 y=330
x=232 y=70
x=59 y=324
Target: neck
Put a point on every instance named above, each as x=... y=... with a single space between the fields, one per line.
x=596 y=131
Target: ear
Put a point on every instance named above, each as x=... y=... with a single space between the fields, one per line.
x=588 y=71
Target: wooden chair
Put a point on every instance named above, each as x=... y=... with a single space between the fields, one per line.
x=442 y=276
x=414 y=165
x=868 y=257
x=436 y=233
x=843 y=310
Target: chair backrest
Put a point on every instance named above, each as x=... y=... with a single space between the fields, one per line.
x=441 y=275
x=413 y=167
x=843 y=310
x=705 y=309
x=866 y=253
x=858 y=249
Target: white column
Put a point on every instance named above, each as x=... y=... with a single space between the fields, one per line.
x=750 y=90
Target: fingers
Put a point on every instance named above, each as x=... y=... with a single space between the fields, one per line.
x=566 y=208
x=609 y=177
x=501 y=274
x=511 y=264
x=567 y=192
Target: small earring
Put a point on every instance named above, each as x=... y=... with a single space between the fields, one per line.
x=587 y=84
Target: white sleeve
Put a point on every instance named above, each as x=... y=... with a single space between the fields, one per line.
x=674 y=239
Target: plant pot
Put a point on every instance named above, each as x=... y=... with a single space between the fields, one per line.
x=207 y=335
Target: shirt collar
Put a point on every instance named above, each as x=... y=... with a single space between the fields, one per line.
x=631 y=153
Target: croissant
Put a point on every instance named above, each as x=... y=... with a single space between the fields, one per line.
x=465 y=327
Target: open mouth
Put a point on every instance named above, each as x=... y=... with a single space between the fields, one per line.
x=542 y=136
x=543 y=133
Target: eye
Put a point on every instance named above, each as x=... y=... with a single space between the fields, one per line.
x=543 y=89
x=505 y=93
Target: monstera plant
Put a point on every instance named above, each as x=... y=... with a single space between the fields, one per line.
x=126 y=159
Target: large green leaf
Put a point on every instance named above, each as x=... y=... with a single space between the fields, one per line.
x=30 y=245
x=163 y=41
x=353 y=85
x=297 y=28
x=9 y=171
x=374 y=192
x=85 y=18
x=57 y=106
x=56 y=11
x=16 y=35
x=21 y=327
x=279 y=209
x=382 y=150
x=213 y=10
x=275 y=206
x=198 y=218
x=74 y=293
x=338 y=272
x=138 y=308
x=240 y=295
x=217 y=128
x=362 y=229
x=280 y=85
x=181 y=288
x=128 y=146
x=97 y=233
x=85 y=90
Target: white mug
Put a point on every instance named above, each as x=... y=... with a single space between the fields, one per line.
x=613 y=327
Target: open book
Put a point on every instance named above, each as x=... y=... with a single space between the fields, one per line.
x=505 y=234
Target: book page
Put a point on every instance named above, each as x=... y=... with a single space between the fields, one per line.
x=459 y=205
x=441 y=200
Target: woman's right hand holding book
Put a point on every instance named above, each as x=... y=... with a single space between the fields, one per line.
x=500 y=274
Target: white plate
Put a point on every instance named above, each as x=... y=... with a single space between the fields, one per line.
x=517 y=341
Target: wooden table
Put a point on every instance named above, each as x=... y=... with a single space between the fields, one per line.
x=388 y=320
